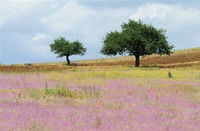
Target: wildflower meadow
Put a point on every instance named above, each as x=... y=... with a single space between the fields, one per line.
x=101 y=98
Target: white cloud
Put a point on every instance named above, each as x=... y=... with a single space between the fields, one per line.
x=67 y=17
x=40 y=36
x=181 y=23
x=173 y=15
x=152 y=11
x=14 y=9
x=76 y=21
x=40 y=50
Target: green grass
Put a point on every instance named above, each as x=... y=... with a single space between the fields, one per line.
x=55 y=92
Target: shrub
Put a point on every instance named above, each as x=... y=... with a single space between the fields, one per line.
x=170 y=75
x=62 y=91
x=28 y=64
x=35 y=93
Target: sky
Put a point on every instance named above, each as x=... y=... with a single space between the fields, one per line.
x=28 y=27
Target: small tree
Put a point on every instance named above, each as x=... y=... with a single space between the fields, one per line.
x=138 y=39
x=65 y=48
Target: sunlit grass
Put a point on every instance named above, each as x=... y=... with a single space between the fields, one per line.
x=125 y=72
x=143 y=77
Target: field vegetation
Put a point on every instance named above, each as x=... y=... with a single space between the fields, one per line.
x=103 y=94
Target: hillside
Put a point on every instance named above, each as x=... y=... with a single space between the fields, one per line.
x=180 y=58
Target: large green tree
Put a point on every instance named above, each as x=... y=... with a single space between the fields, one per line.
x=65 y=48
x=138 y=39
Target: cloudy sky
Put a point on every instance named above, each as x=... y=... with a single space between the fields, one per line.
x=29 y=26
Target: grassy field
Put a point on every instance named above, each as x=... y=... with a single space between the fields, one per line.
x=94 y=96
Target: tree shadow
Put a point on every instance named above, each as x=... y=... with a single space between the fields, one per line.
x=72 y=64
x=155 y=66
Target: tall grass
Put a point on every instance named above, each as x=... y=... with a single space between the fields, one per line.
x=65 y=92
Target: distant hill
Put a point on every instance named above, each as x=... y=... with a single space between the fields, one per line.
x=180 y=58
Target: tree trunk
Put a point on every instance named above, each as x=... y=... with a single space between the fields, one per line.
x=68 y=61
x=137 y=61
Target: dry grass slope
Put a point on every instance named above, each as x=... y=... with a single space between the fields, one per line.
x=180 y=58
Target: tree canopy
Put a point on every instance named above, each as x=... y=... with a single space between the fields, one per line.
x=138 y=39
x=63 y=47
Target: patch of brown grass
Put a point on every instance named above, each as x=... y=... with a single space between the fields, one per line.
x=177 y=59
